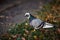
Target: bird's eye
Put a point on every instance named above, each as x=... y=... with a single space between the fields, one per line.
x=27 y=15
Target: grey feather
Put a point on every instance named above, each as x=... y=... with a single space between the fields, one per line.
x=35 y=23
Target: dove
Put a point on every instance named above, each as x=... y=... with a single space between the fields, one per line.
x=37 y=23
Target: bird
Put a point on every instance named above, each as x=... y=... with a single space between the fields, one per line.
x=37 y=23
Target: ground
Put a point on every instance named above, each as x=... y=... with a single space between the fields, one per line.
x=12 y=12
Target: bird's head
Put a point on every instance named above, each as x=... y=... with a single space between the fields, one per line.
x=27 y=15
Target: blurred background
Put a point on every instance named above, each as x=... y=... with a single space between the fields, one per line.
x=11 y=11
x=12 y=15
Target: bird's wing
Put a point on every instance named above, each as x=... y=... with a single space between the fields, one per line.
x=35 y=23
x=48 y=25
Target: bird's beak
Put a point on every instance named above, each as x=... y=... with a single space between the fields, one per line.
x=24 y=15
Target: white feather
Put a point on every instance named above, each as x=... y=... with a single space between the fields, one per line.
x=47 y=25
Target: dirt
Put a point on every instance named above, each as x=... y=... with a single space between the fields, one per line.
x=15 y=14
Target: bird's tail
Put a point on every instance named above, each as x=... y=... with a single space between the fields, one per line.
x=47 y=25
